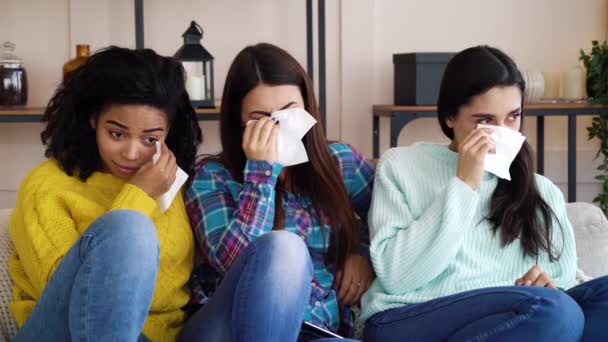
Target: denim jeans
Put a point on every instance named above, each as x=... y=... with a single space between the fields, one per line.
x=261 y=298
x=102 y=288
x=515 y=313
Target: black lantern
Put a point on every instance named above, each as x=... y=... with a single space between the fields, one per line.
x=198 y=63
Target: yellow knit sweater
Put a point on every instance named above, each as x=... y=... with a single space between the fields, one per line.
x=54 y=209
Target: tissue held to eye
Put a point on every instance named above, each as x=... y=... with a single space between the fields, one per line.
x=165 y=200
x=259 y=139
x=294 y=123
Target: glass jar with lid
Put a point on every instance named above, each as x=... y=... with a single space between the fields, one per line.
x=13 y=78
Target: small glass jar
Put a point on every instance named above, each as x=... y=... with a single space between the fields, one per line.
x=13 y=78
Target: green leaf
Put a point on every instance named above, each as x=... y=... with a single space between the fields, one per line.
x=596 y=63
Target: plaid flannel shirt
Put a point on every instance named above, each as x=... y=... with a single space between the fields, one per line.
x=227 y=215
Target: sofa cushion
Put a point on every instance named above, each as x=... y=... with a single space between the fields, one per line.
x=591 y=234
x=8 y=327
x=589 y=222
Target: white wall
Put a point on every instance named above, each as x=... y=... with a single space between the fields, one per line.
x=362 y=35
x=40 y=30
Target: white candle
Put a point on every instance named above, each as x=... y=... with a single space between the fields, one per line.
x=195 y=86
x=573 y=83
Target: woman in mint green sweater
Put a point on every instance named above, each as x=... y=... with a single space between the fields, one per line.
x=462 y=255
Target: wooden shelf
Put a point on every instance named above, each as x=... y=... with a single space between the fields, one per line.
x=34 y=114
x=21 y=110
x=388 y=110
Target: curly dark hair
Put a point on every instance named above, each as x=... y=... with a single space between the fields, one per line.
x=118 y=76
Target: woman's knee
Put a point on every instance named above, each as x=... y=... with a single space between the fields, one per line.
x=597 y=287
x=128 y=233
x=557 y=314
x=287 y=253
x=285 y=244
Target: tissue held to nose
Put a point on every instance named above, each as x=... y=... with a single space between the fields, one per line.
x=507 y=144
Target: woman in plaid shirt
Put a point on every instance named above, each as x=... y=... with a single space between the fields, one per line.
x=285 y=241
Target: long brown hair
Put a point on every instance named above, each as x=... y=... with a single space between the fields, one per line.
x=517 y=209
x=320 y=179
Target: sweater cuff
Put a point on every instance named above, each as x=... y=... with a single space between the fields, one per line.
x=261 y=171
x=133 y=198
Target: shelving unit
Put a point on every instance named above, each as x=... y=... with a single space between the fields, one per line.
x=34 y=114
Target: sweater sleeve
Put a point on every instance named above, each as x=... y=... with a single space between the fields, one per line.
x=409 y=251
x=133 y=198
x=42 y=231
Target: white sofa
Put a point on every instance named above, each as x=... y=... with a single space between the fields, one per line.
x=590 y=227
x=8 y=328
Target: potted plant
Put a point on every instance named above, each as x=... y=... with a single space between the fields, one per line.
x=596 y=63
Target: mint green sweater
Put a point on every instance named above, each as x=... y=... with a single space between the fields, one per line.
x=429 y=238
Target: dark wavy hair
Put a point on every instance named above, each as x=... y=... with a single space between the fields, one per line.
x=517 y=209
x=320 y=179
x=118 y=76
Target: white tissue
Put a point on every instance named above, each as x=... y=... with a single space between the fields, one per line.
x=165 y=200
x=293 y=125
x=508 y=143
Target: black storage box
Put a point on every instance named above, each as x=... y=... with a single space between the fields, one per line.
x=418 y=77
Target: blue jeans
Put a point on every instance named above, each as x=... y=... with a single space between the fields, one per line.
x=515 y=313
x=261 y=298
x=102 y=288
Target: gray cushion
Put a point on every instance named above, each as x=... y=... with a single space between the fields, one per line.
x=8 y=327
x=591 y=234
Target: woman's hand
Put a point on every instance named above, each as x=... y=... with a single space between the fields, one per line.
x=157 y=179
x=260 y=140
x=536 y=277
x=471 y=155
x=354 y=279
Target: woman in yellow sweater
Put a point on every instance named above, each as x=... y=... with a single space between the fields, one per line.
x=96 y=259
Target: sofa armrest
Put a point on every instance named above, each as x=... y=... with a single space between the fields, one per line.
x=591 y=234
